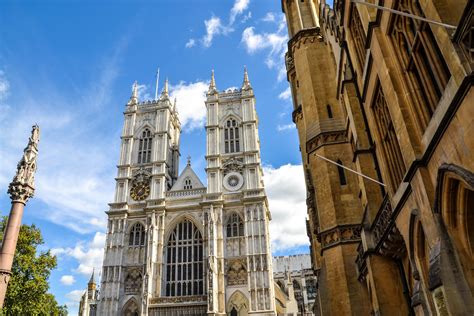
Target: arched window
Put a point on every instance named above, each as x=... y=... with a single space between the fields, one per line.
x=131 y=308
x=137 y=235
x=235 y=226
x=358 y=36
x=231 y=137
x=421 y=60
x=184 y=261
x=389 y=148
x=144 y=147
x=457 y=203
x=188 y=184
x=342 y=175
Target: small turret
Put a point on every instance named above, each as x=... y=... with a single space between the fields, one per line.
x=91 y=287
x=165 y=92
x=175 y=105
x=212 y=85
x=246 y=84
x=134 y=97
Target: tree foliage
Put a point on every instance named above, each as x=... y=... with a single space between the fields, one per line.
x=27 y=292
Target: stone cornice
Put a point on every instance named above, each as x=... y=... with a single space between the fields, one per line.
x=339 y=235
x=302 y=36
x=326 y=138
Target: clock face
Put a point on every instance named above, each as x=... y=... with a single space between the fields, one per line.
x=140 y=190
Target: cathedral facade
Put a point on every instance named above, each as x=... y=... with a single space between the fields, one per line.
x=175 y=246
x=387 y=94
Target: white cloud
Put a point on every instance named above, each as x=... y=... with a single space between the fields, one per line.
x=269 y=17
x=273 y=43
x=190 y=101
x=76 y=154
x=285 y=187
x=285 y=127
x=143 y=92
x=67 y=280
x=214 y=27
x=285 y=95
x=75 y=295
x=239 y=7
x=246 y=17
x=190 y=43
x=89 y=255
x=4 y=86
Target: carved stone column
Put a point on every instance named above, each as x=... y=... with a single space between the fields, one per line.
x=20 y=190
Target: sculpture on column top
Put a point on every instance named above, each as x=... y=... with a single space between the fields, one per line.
x=22 y=186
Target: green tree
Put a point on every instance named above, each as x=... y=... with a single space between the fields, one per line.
x=27 y=292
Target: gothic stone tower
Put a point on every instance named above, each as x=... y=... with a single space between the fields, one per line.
x=175 y=247
x=235 y=189
x=147 y=168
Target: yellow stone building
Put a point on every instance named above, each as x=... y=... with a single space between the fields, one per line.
x=389 y=96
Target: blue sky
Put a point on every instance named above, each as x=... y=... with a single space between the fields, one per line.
x=70 y=68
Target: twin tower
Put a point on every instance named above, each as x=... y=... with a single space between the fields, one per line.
x=175 y=246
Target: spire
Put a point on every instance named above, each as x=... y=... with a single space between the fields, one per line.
x=246 y=84
x=212 y=84
x=134 y=96
x=165 y=92
x=175 y=105
x=92 y=281
x=189 y=161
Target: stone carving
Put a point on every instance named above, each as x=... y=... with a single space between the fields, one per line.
x=332 y=137
x=236 y=272
x=145 y=119
x=297 y=114
x=177 y=299
x=393 y=246
x=23 y=185
x=232 y=165
x=289 y=62
x=133 y=281
x=343 y=233
x=382 y=221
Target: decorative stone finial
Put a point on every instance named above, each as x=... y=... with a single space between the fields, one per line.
x=165 y=92
x=212 y=84
x=175 y=105
x=23 y=185
x=246 y=84
x=134 y=97
x=189 y=160
x=92 y=281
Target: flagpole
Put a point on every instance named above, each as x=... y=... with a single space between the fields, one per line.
x=157 y=81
